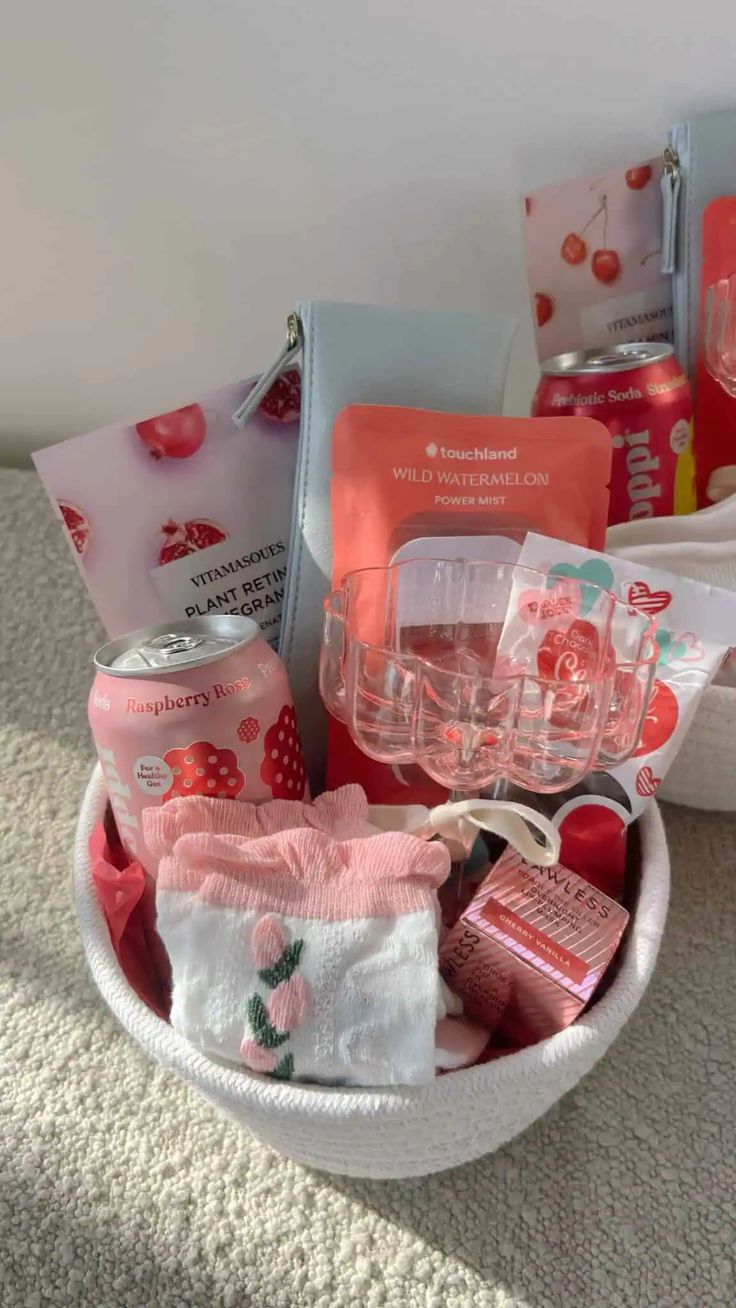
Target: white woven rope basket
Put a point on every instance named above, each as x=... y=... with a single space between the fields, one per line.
x=400 y=1132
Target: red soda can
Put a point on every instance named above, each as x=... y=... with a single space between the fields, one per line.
x=198 y=706
x=641 y=394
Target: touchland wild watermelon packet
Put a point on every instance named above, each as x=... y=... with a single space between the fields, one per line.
x=185 y=514
x=696 y=625
x=408 y=483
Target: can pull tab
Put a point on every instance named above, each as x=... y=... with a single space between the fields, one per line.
x=285 y=356
x=164 y=647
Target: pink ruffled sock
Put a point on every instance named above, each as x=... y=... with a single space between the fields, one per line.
x=299 y=954
x=341 y=813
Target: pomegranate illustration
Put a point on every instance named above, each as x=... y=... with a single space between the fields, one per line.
x=186 y=537
x=175 y=435
x=283 y=401
x=544 y=308
x=76 y=525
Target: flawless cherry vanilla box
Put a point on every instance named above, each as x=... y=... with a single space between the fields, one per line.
x=528 y=952
x=185 y=514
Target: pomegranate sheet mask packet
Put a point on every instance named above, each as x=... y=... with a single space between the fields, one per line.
x=593 y=253
x=696 y=625
x=184 y=514
x=528 y=952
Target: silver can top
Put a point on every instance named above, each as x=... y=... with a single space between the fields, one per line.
x=611 y=358
x=174 y=646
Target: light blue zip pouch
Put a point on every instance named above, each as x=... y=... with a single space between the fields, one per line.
x=450 y=361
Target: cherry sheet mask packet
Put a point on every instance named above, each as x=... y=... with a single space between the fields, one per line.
x=593 y=253
x=185 y=514
x=528 y=952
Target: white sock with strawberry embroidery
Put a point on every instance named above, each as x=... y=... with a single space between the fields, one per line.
x=304 y=956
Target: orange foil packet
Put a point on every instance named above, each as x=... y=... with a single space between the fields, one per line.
x=408 y=483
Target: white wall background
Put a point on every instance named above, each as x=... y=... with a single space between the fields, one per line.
x=175 y=173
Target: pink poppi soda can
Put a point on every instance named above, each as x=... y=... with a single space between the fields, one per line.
x=199 y=706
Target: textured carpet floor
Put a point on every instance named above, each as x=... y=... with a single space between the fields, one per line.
x=121 y=1189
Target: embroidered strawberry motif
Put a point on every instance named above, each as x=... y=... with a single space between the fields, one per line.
x=258 y=1058
x=283 y=764
x=268 y=941
x=272 y=1021
x=289 y=1002
x=249 y=730
x=203 y=769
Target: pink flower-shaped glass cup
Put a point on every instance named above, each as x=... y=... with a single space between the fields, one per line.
x=481 y=672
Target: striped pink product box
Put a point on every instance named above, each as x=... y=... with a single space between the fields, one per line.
x=528 y=952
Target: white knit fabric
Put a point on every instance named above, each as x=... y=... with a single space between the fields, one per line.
x=716 y=523
x=400 y=1132
x=372 y=990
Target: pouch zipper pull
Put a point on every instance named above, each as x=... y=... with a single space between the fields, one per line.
x=670 y=183
x=286 y=355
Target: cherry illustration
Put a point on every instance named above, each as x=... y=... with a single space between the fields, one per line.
x=637 y=178
x=573 y=248
x=606 y=265
x=544 y=307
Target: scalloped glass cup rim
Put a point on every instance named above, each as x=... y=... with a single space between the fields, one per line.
x=612 y=739
x=647 y=645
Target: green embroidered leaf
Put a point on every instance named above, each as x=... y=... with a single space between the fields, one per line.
x=284 y=1070
x=284 y=966
x=264 y=1033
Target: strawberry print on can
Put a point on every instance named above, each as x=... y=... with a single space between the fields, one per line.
x=283 y=766
x=203 y=769
x=180 y=709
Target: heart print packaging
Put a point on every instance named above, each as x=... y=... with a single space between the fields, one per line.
x=695 y=626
